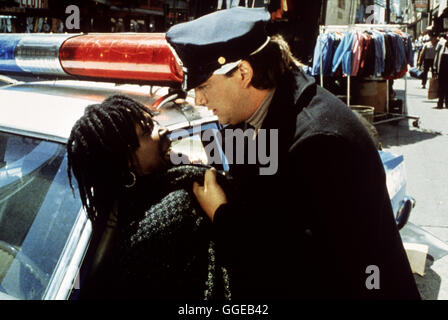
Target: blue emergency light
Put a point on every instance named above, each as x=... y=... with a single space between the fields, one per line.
x=8 y=44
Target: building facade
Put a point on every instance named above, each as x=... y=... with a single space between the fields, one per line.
x=341 y=12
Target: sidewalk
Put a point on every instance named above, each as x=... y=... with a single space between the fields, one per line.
x=425 y=151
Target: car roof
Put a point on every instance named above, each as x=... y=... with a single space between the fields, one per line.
x=49 y=109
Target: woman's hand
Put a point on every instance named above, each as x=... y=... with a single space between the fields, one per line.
x=210 y=196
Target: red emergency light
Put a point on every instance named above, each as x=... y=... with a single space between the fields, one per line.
x=121 y=56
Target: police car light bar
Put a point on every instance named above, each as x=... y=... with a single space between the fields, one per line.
x=119 y=57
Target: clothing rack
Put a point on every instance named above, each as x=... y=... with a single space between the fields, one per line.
x=385 y=117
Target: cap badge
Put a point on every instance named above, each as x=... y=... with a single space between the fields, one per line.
x=221 y=60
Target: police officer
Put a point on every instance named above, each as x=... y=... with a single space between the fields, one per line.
x=320 y=225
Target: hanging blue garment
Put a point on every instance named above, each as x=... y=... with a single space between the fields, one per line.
x=392 y=52
x=399 y=54
x=333 y=42
x=402 y=60
x=323 y=50
x=378 y=41
x=409 y=51
x=344 y=54
x=317 y=55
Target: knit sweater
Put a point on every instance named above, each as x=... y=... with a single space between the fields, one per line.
x=164 y=247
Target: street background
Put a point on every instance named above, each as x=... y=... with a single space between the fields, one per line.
x=425 y=151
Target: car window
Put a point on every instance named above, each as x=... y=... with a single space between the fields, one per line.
x=200 y=144
x=37 y=213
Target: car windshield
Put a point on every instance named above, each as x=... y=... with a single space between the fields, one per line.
x=37 y=213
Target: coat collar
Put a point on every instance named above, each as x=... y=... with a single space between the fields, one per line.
x=293 y=93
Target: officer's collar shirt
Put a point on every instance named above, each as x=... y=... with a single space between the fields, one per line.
x=257 y=118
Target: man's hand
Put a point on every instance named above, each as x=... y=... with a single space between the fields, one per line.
x=210 y=196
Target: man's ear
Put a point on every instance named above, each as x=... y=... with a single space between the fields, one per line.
x=246 y=73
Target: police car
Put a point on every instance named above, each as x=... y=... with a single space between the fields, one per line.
x=44 y=232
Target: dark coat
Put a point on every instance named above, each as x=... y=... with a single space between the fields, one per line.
x=440 y=62
x=313 y=229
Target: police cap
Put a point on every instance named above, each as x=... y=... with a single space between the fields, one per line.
x=215 y=43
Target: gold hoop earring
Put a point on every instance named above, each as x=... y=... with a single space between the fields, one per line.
x=134 y=179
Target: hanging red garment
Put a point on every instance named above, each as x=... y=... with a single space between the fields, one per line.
x=357 y=51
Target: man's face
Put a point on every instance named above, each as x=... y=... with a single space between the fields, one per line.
x=225 y=96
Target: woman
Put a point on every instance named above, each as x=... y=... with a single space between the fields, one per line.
x=159 y=243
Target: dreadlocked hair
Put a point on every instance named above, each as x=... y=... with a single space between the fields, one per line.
x=100 y=149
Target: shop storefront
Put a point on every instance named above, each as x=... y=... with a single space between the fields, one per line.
x=28 y=16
